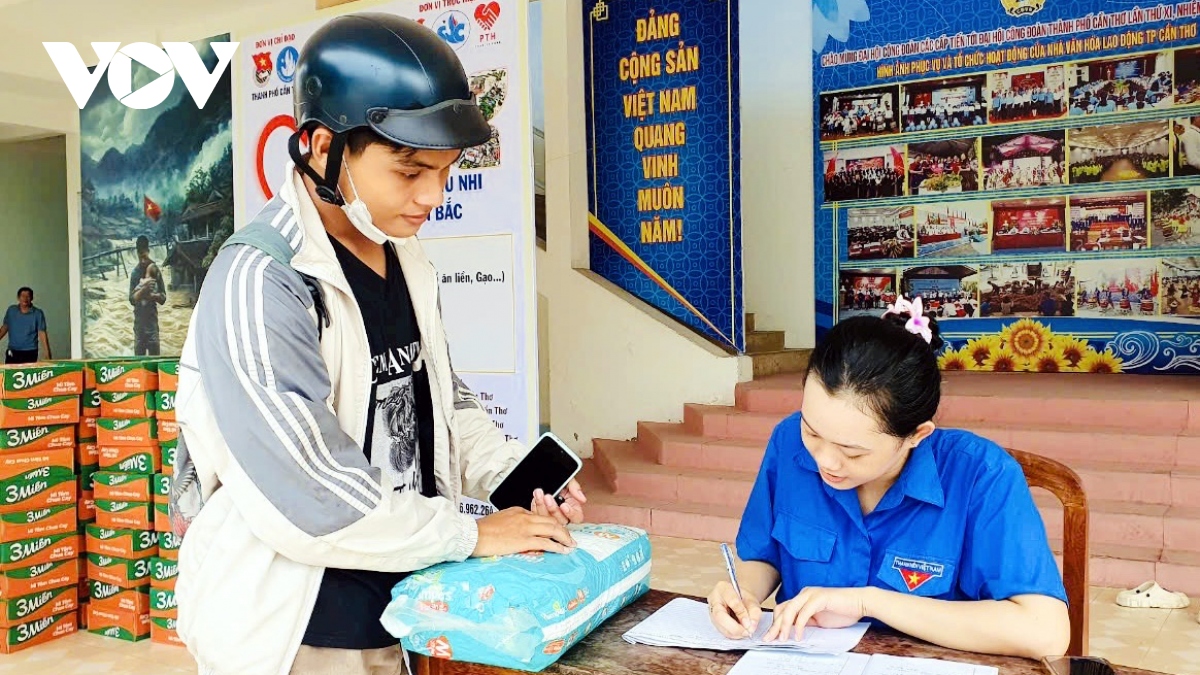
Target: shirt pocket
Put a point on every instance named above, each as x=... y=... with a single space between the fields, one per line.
x=806 y=551
x=914 y=573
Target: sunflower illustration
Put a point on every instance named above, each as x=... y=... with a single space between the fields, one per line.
x=1100 y=362
x=1050 y=361
x=1003 y=360
x=955 y=360
x=1073 y=349
x=979 y=349
x=1026 y=338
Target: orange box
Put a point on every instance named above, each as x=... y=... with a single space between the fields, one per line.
x=127 y=544
x=13 y=464
x=44 y=577
x=162 y=488
x=33 y=412
x=108 y=596
x=86 y=429
x=122 y=515
x=146 y=460
x=127 y=404
x=168 y=375
x=163 y=573
x=162 y=631
x=164 y=405
x=126 y=376
x=28 y=439
x=37 y=488
x=38 y=606
x=87 y=454
x=138 y=432
x=91 y=403
x=20 y=525
x=120 y=624
x=87 y=480
x=162 y=516
x=87 y=508
x=168 y=545
x=40 y=550
x=35 y=380
x=83 y=612
x=118 y=571
x=116 y=486
x=38 y=632
x=162 y=602
x=168 y=430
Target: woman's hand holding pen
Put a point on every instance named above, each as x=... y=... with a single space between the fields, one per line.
x=736 y=618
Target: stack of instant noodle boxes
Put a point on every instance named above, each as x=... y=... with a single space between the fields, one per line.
x=86 y=455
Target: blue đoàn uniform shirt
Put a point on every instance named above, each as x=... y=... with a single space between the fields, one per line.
x=959 y=523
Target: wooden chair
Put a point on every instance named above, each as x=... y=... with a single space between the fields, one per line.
x=1065 y=484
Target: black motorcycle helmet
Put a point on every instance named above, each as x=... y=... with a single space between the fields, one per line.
x=386 y=73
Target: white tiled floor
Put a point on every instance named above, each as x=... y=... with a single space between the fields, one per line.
x=1158 y=640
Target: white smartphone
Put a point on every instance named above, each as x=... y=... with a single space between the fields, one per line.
x=550 y=466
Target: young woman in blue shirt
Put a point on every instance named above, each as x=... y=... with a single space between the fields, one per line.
x=863 y=508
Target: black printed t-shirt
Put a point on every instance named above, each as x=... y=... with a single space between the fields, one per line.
x=399 y=441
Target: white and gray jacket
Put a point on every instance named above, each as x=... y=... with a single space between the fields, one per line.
x=272 y=416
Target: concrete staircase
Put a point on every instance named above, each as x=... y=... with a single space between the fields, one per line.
x=765 y=349
x=1135 y=441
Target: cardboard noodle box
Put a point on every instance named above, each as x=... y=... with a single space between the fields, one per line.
x=37 y=488
x=33 y=412
x=162 y=517
x=115 y=598
x=41 y=379
x=48 y=548
x=145 y=460
x=123 y=515
x=162 y=488
x=168 y=375
x=13 y=464
x=163 y=631
x=28 y=439
x=168 y=430
x=117 y=486
x=86 y=429
x=168 y=449
x=40 y=605
x=168 y=545
x=118 y=571
x=124 y=544
x=162 y=603
x=38 y=632
x=119 y=624
x=44 y=577
x=87 y=508
x=90 y=403
x=19 y=525
x=164 y=573
x=126 y=375
x=126 y=404
x=136 y=432
x=164 y=405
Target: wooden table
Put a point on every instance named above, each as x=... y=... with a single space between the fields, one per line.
x=604 y=652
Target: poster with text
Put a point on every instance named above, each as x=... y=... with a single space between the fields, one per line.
x=157 y=198
x=663 y=144
x=1044 y=155
x=481 y=238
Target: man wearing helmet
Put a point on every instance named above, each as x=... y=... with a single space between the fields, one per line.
x=324 y=437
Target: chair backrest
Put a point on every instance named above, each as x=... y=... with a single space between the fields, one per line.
x=1065 y=484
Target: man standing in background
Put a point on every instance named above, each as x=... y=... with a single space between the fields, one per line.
x=25 y=326
x=146 y=292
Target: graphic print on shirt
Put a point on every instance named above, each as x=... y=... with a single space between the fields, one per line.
x=916 y=572
x=394 y=437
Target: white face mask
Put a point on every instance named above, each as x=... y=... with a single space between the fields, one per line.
x=360 y=215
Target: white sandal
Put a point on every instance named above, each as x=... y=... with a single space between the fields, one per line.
x=1151 y=595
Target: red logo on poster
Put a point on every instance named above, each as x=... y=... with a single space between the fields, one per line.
x=487 y=14
x=263 y=67
x=278 y=122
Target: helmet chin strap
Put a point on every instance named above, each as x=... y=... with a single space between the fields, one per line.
x=327 y=185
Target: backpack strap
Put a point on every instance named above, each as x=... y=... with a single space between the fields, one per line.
x=262 y=236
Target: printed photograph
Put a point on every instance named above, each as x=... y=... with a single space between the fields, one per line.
x=880 y=233
x=1120 y=84
x=1181 y=287
x=1118 y=287
x=943 y=167
x=1176 y=218
x=490 y=88
x=855 y=114
x=947 y=292
x=1023 y=160
x=1027 y=289
x=953 y=230
x=156 y=203
x=1027 y=94
x=1120 y=152
x=1109 y=222
x=865 y=292
x=1187 y=146
x=864 y=173
x=1187 y=76
x=944 y=104
x=1030 y=225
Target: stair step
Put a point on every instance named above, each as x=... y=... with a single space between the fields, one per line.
x=672 y=445
x=779 y=362
x=727 y=422
x=759 y=342
x=631 y=474
x=749 y=325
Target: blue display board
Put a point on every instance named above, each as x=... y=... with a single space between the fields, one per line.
x=1031 y=168
x=661 y=88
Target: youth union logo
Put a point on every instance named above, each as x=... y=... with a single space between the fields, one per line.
x=1022 y=7
x=454 y=27
x=286 y=64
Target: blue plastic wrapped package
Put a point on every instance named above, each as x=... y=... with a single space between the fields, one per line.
x=521 y=611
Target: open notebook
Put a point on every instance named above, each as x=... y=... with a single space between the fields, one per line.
x=791 y=663
x=685 y=623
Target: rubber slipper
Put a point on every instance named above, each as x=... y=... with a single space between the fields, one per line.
x=1151 y=595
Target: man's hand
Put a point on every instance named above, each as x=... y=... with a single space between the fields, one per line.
x=571 y=510
x=518 y=531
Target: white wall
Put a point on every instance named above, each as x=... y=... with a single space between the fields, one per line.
x=613 y=360
x=777 y=174
x=33 y=229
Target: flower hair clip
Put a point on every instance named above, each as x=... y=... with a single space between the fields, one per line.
x=917 y=324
